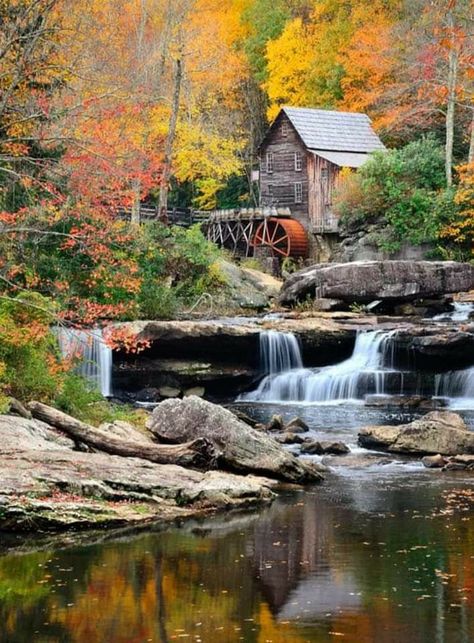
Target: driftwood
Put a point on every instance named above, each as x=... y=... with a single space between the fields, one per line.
x=198 y=454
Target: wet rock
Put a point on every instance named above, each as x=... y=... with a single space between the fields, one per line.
x=452 y=465
x=406 y=402
x=434 y=461
x=243 y=417
x=169 y=391
x=466 y=460
x=297 y=425
x=198 y=391
x=289 y=438
x=276 y=423
x=150 y=394
x=328 y=305
x=314 y=447
x=438 y=432
x=240 y=448
x=356 y=460
x=366 y=281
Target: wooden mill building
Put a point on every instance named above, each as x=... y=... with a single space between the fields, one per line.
x=301 y=158
x=302 y=155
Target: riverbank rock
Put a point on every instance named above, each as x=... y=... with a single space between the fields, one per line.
x=412 y=402
x=240 y=448
x=315 y=447
x=46 y=484
x=438 y=432
x=434 y=461
x=367 y=281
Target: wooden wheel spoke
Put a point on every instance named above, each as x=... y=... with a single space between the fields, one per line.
x=283 y=238
x=274 y=231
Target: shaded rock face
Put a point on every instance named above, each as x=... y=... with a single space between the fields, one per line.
x=438 y=432
x=222 y=358
x=366 y=281
x=241 y=447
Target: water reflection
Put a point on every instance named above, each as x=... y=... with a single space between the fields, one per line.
x=379 y=560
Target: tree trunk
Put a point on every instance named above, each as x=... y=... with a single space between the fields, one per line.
x=169 y=145
x=452 y=80
x=470 y=158
x=135 y=218
x=198 y=454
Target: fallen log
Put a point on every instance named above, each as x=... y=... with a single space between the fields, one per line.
x=197 y=454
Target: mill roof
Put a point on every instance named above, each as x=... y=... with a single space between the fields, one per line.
x=334 y=131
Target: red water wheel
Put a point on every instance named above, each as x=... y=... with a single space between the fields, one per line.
x=286 y=237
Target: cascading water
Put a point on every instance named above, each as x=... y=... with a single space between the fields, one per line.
x=279 y=352
x=458 y=386
x=93 y=354
x=462 y=312
x=364 y=372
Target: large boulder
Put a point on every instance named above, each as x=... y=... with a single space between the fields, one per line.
x=240 y=447
x=248 y=288
x=439 y=432
x=366 y=281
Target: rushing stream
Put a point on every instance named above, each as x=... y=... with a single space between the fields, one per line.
x=370 y=370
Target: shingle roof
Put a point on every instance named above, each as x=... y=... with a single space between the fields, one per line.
x=343 y=159
x=337 y=131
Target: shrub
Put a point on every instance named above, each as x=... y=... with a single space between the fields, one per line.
x=84 y=402
x=457 y=234
x=30 y=366
x=402 y=190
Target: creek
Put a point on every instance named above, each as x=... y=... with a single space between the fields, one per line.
x=381 y=552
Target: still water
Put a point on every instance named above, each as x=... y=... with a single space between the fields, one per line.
x=383 y=554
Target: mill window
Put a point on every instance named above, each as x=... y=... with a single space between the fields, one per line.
x=298 y=192
x=269 y=162
x=298 y=162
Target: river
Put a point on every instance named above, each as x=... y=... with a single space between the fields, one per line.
x=377 y=554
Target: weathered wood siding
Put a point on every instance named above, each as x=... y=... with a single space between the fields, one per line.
x=322 y=179
x=277 y=188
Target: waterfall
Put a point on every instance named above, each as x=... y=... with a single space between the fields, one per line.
x=93 y=353
x=279 y=352
x=456 y=384
x=286 y=380
x=462 y=311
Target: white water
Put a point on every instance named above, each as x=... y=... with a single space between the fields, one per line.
x=458 y=386
x=363 y=372
x=279 y=352
x=93 y=354
x=461 y=312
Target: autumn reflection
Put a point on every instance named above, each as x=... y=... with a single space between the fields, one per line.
x=360 y=561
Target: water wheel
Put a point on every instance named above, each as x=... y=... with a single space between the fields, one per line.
x=286 y=237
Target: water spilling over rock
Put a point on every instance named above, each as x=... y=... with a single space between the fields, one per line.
x=462 y=312
x=371 y=370
x=365 y=371
x=93 y=353
x=279 y=352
